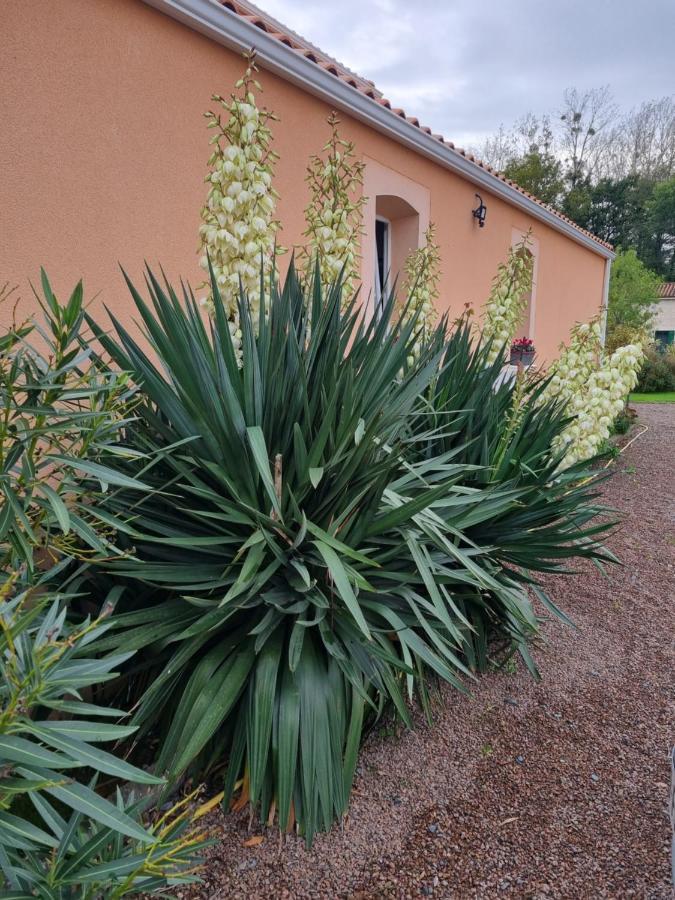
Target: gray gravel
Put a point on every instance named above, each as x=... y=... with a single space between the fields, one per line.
x=556 y=789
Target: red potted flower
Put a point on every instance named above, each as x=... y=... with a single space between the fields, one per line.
x=522 y=351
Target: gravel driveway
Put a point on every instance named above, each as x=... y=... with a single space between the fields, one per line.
x=556 y=789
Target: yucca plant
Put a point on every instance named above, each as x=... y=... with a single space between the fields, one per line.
x=314 y=544
x=282 y=603
x=59 y=836
x=505 y=431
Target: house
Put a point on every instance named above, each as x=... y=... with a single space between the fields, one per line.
x=103 y=149
x=664 y=315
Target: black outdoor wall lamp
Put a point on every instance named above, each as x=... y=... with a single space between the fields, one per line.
x=480 y=212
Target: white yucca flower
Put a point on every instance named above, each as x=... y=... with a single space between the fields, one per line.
x=422 y=273
x=593 y=388
x=238 y=230
x=334 y=213
x=508 y=298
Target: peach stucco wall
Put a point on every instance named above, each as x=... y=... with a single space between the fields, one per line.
x=103 y=148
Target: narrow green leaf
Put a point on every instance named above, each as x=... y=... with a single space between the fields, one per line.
x=84 y=800
x=343 y=585
x=105 y=474
x=92 y=732
x=256 y=440
x=99 y=760
x=17 y=749
x=25 y=831
x=59 y=507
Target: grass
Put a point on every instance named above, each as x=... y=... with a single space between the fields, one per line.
x=663 y=397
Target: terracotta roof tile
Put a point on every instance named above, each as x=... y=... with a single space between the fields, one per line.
x=667 y=290
x=275 y=29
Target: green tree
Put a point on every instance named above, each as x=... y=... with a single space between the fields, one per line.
x=657 y=247
x=613 y=209
x=539 y=172
x=633 y=291
x=531 y=160
x=577 y=203
x=611 y=173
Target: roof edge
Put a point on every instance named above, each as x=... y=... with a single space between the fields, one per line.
x=217 y=22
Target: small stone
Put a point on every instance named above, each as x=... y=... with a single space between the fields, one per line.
x=432 y=829
x=511 y=701
x=520 y=760
x=595 y=777
x=396 y=801
x=247 y=864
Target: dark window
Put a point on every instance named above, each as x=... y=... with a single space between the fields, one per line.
x=664 y=338
x=382 y=251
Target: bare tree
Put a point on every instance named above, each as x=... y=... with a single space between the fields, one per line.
x=498 y=149
x=584 y=118
x=643 y=142
x=529 y=134
x=590 y=138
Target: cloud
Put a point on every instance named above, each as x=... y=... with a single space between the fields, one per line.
x=463 y=67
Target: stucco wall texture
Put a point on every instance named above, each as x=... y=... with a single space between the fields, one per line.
x=103 y=148
x=664 y=318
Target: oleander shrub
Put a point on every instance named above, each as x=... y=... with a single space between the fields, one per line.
x=61 y=837
x=60 y=415
x=623 y=422
x=658 y=372
x=66 y=828
x=335 y=516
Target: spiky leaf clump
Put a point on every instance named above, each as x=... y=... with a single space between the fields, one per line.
x=505 y=434
x=308 y=551
x=281 y=606
x=61 y=836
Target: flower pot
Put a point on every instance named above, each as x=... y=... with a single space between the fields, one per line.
x=526 y=357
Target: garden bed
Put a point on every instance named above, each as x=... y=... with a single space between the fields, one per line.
x=557 y=789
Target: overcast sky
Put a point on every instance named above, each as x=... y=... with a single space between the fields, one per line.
x=465 y=66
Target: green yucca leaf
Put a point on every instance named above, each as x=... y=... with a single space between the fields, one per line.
x=342 y=584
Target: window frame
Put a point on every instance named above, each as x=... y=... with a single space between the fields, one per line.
x=382 y=181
